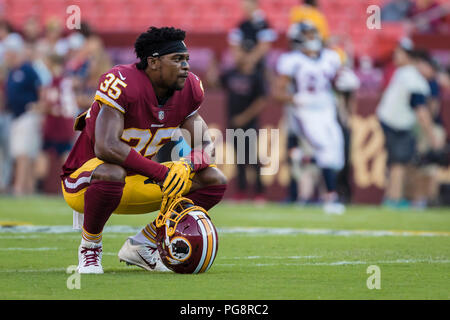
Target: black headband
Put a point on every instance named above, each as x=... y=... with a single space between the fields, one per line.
x=163 y=48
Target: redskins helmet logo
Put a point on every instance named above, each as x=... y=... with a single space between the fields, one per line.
x=180 y=249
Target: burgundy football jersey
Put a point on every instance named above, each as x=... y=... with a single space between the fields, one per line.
x=147 y=126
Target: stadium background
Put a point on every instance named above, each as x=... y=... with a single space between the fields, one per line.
x=207 y=22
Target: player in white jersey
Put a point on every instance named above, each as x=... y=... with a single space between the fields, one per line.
x=310 y=70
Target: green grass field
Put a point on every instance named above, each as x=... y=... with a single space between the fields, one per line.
x=270 y=252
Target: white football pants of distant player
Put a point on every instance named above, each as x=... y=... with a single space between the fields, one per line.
x=322 y=131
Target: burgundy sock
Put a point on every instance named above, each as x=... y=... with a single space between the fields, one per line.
x=100 y=200
x=208 y=197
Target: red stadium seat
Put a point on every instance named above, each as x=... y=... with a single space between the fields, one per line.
x=345 y=17
x=21 y=8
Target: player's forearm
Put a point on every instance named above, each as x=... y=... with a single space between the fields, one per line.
x=121 y=154
x=146 y=167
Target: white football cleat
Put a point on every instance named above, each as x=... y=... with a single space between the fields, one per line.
x=334 y=208
x=141 y=255
x=90 y=258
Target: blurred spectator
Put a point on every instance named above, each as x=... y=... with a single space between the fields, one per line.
x=82 y=45
x=245 y=85
x=403 y=103
x=429 y=68
x=53 y=41
x=65 y=71
x=443 y=78
x=32 y=30
x=252 y=40
x=86 y=64
x=77 y=57
x=424 y=177
x=32 y=33
x=423 y=16
x=6 y=35
x=21 y=90
x=396 y=10
x=58 y=103
x=310 y=11
x=428 y=16
x=5 y=157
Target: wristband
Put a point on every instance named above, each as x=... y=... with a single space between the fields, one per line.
x=199 y=159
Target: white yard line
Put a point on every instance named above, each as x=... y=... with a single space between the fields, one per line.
x=19 y=237
x=340 y=263
x=270 y=257
x=372 y=233
x=237 y=230
x=29 y=249
x=32 y=270
x=62 y=229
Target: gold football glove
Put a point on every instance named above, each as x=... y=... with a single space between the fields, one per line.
x=176 y=182
x=177 y=179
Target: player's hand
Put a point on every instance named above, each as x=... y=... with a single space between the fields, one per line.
x=176 y=180
x=347 y=80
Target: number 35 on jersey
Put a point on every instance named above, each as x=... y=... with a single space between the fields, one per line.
x=111 y=86
x=110 y=90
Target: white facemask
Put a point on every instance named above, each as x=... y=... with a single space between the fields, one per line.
x=313 y=45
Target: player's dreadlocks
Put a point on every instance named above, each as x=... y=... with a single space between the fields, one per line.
x=148 y=43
